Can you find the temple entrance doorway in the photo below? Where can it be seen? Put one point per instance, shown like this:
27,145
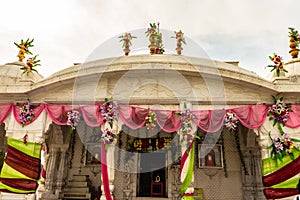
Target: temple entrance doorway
152,176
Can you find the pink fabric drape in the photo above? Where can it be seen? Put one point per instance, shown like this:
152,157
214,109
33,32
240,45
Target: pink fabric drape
91,115
4,111
37,111
167,120
294,116
104,172
133,117
58,113
209,120
252,116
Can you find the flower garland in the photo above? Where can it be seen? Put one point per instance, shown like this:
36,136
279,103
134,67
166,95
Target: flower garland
283,146
109,111
30,64
24,48
73,118
231,122
278,64
108,136
278,112
26,113
186,121
224,156
150,121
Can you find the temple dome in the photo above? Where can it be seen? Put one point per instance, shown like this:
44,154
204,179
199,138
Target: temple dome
10,74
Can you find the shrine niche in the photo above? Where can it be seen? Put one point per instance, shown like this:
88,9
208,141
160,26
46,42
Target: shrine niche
210,156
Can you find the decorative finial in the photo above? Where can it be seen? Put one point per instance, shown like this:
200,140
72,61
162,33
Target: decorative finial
278,64
180,39
126,39
155,39
30,62
23,46
294,42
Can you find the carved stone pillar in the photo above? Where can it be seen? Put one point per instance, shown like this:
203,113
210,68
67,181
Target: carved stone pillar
176,182
248,178
56,164
51,169
60,182
255,145
258,175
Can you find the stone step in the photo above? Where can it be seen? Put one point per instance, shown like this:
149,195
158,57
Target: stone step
76,196
80,178
76,190
78,184
8,196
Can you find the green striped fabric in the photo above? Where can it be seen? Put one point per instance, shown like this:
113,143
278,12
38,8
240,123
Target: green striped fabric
21,167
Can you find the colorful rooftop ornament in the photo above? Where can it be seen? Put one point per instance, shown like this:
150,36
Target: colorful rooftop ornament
294,42
31,63
180,39
278,64
155,39
126,39
24,48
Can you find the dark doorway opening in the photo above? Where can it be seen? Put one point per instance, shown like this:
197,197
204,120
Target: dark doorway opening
153,175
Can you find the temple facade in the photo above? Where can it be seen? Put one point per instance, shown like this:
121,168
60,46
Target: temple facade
144,163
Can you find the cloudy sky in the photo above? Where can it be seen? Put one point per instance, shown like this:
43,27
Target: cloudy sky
68,31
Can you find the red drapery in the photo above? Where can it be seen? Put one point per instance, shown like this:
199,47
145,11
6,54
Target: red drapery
252,116
4,111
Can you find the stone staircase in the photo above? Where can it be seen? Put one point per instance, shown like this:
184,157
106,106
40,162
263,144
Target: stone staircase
77,188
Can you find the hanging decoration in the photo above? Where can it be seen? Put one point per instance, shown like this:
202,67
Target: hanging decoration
108,137
283,146
186,121
126,39
150,121
231,122
26,113
278,64
25,138
109,111
278,177
279,113
73,118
